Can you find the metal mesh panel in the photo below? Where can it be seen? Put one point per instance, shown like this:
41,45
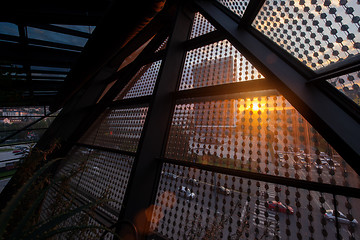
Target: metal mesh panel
200,26
107,174
348,85
117,129
318,33
198,204
142,84
260,134
163,45
75,221
237,6
92,175
215,64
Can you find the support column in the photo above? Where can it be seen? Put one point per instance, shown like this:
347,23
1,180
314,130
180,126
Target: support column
146,171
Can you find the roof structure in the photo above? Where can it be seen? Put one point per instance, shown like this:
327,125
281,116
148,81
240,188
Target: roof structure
39,43
239,102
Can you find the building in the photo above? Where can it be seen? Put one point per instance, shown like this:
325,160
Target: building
243,135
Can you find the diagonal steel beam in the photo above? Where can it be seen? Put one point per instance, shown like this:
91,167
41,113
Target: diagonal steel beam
327,116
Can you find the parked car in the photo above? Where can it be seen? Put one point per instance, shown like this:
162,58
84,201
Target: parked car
20,150
317,166
192,181
170,175
223,190
186,193
279,207
342,218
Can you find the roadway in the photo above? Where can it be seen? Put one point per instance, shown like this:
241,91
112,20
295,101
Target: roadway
224,217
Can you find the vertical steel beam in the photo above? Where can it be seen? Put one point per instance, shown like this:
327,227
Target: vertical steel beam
146,171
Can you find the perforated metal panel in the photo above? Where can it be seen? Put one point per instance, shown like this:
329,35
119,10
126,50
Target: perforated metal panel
200,26
262,134
163,45
237,6
84,178
117,129
105,173
216,64
318,33
199,204
348,85
142,84
91,175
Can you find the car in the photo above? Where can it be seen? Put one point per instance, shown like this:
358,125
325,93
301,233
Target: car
223,190
317,166
170,175
20,150
342,218
279,207
186,193
192,181
331,167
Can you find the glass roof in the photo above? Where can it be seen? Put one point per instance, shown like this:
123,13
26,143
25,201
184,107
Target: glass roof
9,29
52,48
51,36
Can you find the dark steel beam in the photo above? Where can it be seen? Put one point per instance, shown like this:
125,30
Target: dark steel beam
58,29
14,52
251,11
55,45
336,73
49,72
36,85
61,12
42,43
290,182
146,170
203,40
105,149
135,102
340,129
230,88
53,77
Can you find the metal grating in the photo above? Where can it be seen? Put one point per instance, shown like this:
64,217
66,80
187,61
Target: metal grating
143,83
198,204
103,173
262,134
200,26
318,33
216,64
50,210
349,85
237,6
117,128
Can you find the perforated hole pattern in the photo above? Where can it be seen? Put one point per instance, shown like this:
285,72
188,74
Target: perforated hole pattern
108,173
318,33
261,134
237,6
117,129
142,84
198,204
163,45
216,64
348,85
200,26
